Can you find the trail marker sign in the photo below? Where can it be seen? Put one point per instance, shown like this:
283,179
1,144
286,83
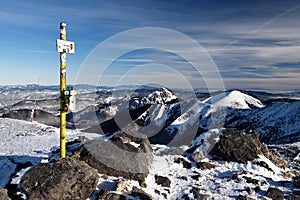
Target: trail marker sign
63,46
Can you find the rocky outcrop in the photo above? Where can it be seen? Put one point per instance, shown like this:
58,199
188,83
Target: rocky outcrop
106,195
205,165
64,179
274,193
163,181
140,194
123,190
184,163
126,155
3,194
241,147
171,151
198,156
194,193
123,187
238,146
296,182
275,157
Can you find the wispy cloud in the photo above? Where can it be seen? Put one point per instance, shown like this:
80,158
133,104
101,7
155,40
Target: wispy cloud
38,51
254,41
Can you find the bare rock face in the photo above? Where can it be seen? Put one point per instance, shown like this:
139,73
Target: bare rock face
3,194
126,155
65,179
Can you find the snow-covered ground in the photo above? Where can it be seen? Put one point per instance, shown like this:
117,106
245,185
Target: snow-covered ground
23,142
217,182
28,143
32,142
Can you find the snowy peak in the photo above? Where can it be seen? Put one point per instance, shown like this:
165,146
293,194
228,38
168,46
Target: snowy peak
234,99
161,96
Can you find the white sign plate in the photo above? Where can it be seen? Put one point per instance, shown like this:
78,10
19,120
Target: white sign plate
65,46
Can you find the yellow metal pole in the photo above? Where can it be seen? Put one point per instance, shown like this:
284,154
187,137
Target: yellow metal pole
63,112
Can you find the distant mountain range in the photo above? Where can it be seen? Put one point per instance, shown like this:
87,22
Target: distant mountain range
160,114
178,122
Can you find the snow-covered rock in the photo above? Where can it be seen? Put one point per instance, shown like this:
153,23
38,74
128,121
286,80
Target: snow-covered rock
161,96
234,99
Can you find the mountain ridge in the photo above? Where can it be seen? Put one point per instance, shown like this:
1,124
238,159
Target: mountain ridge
169,116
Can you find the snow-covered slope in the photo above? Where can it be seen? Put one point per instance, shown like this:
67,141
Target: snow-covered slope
234,99
173,124
279,122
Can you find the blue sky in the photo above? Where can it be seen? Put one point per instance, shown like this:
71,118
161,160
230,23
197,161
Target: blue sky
253,44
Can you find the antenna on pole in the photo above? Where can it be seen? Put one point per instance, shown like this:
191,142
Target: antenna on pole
34,106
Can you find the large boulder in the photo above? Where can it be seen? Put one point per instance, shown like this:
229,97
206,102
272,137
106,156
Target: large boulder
126,155
238,146
274,193
163,181
65,179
